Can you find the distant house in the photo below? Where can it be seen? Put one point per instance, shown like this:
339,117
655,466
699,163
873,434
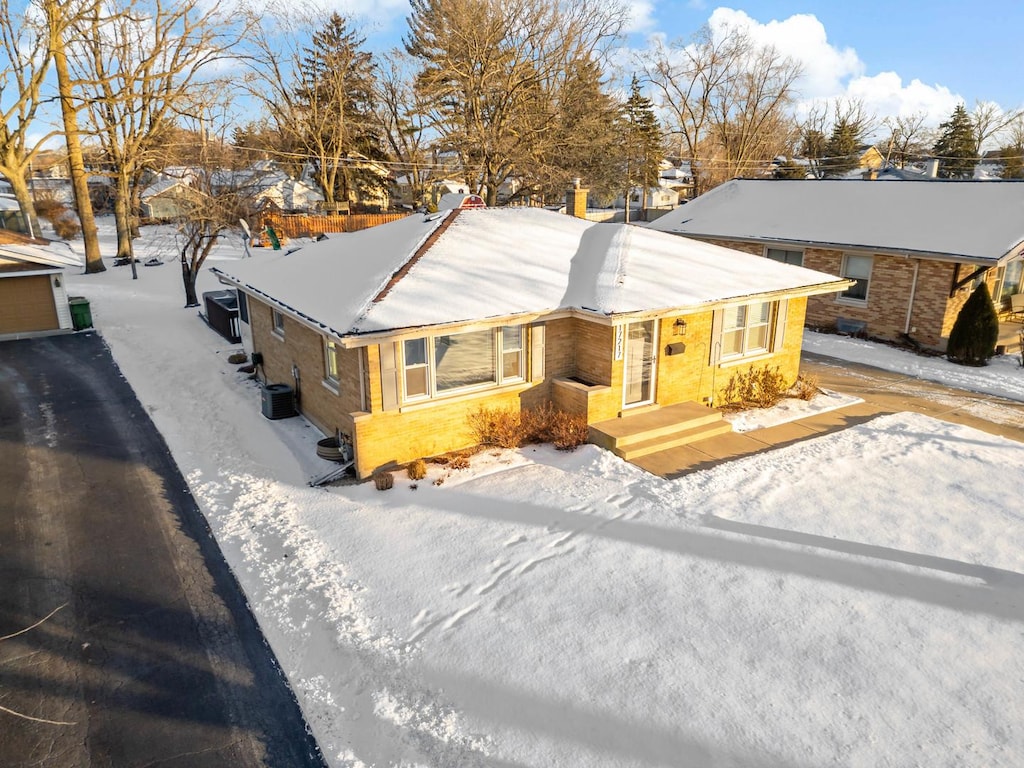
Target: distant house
915,249
168,198
512,308
33,297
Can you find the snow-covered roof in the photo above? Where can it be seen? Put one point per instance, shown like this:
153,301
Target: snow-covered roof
479,264
56,254
963,220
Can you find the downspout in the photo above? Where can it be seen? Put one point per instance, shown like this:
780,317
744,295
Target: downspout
910,304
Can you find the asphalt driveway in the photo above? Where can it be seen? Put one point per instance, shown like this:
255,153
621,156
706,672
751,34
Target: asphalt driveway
152,657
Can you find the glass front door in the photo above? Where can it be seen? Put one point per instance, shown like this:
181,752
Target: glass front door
641,351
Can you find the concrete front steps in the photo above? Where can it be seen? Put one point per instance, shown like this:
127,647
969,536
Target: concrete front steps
649,430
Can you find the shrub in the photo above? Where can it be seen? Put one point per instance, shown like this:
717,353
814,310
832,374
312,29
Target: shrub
976,330
757,388
383,480
66,226
417,470
492,426
569,431
806,387
459,461
544,424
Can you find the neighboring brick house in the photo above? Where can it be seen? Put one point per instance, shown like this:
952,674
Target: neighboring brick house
915,249
394,335
33,297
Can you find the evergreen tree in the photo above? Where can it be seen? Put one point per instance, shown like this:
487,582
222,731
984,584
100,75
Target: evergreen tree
976,330
1012,162
790,170
587,134
957,148
841,151
641,144
339,129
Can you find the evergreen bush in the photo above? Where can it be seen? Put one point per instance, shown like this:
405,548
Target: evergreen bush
976,330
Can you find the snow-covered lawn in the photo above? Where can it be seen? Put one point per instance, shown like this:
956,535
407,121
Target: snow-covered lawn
855,599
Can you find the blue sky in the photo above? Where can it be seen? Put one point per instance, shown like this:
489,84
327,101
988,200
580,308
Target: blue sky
898,57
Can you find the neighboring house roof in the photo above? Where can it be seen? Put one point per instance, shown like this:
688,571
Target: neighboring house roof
462,266
978,222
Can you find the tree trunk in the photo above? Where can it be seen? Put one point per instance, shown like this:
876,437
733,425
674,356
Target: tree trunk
23,194
79,181
188,277
122,220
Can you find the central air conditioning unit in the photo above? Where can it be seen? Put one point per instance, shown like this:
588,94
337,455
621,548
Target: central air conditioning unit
278,401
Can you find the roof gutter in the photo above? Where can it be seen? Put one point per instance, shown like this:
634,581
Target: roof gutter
955,258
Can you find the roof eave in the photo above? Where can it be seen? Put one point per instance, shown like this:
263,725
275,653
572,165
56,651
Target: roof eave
908,253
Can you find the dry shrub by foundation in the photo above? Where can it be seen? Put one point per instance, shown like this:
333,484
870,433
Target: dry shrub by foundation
806,387
494,426
546,424
757,388
417,470
383,480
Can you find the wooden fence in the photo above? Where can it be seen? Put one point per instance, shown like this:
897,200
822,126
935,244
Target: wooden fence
310,225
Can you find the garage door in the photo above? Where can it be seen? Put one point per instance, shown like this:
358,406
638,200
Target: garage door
26,304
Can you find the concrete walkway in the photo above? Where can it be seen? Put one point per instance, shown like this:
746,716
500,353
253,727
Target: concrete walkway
883,392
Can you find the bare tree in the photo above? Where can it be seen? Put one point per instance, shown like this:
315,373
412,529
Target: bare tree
219,197
989,119
139,65
909,138
400,112
727,98
492,71
60,17
25,45
316,83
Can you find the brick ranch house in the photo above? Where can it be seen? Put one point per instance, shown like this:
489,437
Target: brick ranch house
33,297
914,249
393,335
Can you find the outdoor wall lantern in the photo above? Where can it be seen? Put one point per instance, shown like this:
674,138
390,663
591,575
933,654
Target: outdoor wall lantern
679,327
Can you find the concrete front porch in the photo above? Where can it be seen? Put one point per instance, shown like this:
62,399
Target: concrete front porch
645,431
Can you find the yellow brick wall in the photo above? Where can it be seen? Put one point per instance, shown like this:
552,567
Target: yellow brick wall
573,347
303,348
390,438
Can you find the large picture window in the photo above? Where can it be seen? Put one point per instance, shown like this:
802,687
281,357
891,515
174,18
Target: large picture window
746,330
439,365
857,268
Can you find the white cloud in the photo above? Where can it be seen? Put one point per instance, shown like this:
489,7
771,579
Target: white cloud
641,17
831,72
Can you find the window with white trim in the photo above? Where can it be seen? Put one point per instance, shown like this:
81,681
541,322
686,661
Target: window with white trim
455,362
277,322
796,258
747,330
331,362
857,268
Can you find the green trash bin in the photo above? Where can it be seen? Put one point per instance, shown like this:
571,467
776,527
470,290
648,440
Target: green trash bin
81,315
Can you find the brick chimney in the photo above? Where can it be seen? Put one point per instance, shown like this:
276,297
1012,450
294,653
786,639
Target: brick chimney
576,200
